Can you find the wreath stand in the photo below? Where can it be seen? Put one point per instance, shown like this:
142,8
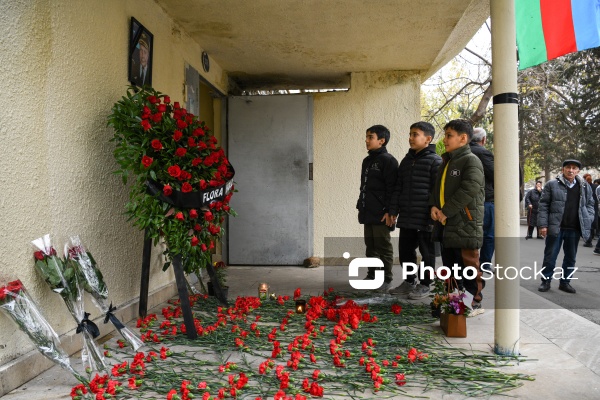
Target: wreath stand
181,200
188,318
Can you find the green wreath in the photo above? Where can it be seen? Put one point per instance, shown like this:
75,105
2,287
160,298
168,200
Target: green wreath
183,181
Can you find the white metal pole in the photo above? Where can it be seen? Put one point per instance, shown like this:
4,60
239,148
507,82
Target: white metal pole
506,176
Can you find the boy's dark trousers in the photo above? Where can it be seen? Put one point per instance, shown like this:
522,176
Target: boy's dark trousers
379,245
464,258
409,240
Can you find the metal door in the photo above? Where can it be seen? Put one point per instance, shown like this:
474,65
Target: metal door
270,147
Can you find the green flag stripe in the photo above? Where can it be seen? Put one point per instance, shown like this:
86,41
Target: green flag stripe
530,35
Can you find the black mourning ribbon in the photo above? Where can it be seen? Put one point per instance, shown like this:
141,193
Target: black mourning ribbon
113,318
195,199
88,325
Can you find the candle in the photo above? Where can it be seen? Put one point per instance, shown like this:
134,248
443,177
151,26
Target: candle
300,306
263,291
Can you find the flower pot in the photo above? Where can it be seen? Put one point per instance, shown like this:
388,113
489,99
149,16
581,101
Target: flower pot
454,325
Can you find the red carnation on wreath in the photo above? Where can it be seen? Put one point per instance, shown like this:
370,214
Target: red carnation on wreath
183,180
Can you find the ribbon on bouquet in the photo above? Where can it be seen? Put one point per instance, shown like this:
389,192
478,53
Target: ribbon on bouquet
113,318
88,325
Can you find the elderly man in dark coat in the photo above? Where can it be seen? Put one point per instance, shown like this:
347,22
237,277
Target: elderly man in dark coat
565,214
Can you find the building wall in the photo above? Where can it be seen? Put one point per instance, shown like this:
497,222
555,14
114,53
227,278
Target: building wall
63,64
340,123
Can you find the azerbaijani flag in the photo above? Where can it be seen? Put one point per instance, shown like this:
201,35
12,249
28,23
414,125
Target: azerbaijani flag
547,29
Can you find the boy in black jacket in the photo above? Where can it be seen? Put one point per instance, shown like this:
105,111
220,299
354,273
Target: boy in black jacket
378,176
410,202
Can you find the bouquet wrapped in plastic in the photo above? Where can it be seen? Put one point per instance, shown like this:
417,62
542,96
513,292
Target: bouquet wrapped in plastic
16,302
63,280
93,283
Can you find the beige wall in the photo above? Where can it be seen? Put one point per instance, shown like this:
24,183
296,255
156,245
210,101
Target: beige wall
340,122
63,63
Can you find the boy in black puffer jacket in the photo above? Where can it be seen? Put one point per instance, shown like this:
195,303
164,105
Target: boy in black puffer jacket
410,202
378,177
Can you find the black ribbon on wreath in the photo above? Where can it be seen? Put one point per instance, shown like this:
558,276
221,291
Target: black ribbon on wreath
88,325
194,199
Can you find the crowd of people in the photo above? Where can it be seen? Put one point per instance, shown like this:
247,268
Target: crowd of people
449,199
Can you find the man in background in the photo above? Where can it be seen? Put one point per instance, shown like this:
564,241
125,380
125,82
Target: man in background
565,214
487,160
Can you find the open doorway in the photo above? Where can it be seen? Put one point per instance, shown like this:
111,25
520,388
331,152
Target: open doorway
209,105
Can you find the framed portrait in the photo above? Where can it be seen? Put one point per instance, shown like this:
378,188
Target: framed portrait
140,54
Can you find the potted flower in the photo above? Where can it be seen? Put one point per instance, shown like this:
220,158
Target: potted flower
450,308
182,181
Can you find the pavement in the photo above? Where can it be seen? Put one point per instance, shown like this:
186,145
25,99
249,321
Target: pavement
586,279
562,348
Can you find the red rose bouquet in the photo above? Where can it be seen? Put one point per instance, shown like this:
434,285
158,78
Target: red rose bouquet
93,283
17,304
183,181
63,279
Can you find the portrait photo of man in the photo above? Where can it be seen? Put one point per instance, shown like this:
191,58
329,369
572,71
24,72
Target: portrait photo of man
140,71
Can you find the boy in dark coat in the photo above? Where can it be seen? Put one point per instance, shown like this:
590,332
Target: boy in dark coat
457,204
414,184
378,177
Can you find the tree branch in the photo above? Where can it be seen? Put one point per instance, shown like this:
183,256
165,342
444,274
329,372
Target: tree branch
489,64
482,107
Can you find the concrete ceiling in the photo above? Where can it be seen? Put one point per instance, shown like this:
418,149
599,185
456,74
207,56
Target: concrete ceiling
303,44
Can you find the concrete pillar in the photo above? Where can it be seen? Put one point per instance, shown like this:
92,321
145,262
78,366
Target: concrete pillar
506,176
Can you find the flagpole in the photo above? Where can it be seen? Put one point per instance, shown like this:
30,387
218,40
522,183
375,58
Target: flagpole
506,177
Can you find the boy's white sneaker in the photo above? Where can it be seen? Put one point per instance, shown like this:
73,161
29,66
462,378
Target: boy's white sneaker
477,309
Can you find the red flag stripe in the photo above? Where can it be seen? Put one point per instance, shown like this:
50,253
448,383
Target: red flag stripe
557,23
